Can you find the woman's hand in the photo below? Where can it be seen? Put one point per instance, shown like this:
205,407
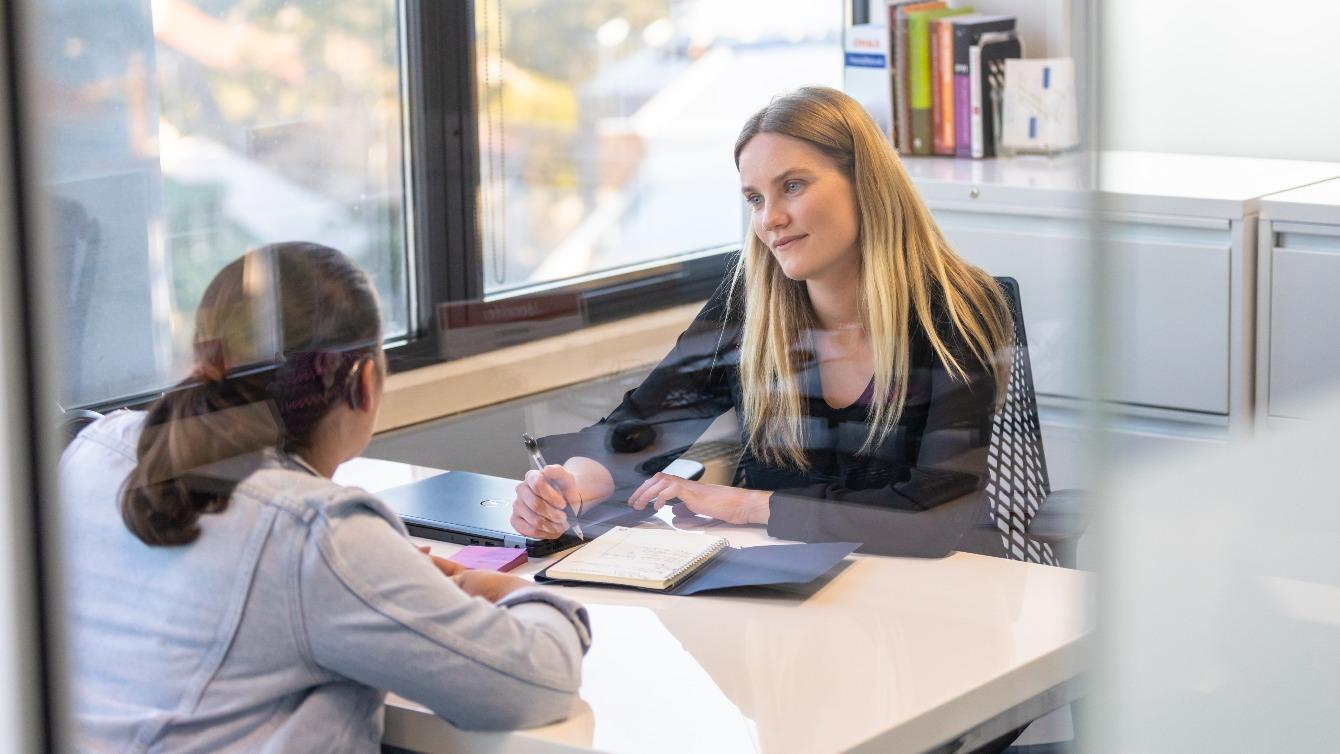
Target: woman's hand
730,504
491,585
545,497
543,500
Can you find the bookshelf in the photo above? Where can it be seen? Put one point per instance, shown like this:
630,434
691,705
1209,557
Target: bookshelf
934,73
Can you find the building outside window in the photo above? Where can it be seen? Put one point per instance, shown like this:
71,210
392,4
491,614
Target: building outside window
182,132
606,129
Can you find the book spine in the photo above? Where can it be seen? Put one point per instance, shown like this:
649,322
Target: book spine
962,100
962,117
937,106
903,117
975,100
891,79
892,46
942,62
919,81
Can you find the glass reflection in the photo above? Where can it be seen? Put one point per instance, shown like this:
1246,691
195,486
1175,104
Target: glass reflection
176,132
603,126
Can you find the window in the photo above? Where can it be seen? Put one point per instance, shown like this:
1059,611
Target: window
575,150
606,129
182,132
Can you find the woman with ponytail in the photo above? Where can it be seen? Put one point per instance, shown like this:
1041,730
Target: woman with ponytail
226,595
862,356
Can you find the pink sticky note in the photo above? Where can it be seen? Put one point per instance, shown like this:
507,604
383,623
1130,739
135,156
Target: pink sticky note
480,558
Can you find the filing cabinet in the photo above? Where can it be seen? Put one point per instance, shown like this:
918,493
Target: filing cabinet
1298,332
1147,259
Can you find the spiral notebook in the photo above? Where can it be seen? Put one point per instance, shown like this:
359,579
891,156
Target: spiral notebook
644,558
683,563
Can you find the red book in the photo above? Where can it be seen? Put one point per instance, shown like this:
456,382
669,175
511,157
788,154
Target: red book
942,86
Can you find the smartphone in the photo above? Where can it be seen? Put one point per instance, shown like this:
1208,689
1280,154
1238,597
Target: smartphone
684,469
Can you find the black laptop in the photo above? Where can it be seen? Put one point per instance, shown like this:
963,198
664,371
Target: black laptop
476,509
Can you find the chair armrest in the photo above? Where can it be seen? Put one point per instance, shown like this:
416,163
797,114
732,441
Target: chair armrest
1062,517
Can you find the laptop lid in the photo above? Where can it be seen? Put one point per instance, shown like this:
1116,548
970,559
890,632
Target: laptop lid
476,509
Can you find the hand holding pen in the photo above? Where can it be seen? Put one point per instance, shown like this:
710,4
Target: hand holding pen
537,460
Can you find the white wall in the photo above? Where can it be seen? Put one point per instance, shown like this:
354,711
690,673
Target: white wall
1231,77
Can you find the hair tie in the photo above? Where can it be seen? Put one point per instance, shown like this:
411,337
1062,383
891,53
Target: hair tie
328,366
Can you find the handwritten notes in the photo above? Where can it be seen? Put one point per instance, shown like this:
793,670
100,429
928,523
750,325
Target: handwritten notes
650,558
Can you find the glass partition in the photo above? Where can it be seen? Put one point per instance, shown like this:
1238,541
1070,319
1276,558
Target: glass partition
896,366
1098,519
1217,533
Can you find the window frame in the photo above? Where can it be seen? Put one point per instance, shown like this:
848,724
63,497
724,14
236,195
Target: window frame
444,259
444,180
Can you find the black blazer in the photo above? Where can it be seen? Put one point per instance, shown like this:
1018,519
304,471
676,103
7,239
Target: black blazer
917,493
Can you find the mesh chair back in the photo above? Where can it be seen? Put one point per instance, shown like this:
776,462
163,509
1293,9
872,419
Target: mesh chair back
1016,466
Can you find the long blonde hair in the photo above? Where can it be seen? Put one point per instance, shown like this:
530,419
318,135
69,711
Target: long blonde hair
904,261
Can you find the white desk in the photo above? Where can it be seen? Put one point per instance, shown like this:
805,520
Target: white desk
885,654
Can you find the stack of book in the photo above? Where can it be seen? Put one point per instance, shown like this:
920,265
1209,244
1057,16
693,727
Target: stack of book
936,84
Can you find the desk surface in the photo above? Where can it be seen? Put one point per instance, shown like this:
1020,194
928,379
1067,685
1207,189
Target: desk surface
883,654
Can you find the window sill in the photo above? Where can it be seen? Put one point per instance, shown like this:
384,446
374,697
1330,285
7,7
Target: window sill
441,390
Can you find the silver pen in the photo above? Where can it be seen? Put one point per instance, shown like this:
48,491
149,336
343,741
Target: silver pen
537,459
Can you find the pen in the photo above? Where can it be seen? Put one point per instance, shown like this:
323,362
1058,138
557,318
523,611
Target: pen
537,459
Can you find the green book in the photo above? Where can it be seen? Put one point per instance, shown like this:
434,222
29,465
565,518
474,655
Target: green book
919,90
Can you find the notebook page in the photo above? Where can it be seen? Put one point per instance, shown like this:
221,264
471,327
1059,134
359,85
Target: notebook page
637,554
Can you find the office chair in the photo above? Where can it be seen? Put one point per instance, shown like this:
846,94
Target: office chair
1036,524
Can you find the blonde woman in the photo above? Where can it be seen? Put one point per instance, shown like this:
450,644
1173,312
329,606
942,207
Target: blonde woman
864,359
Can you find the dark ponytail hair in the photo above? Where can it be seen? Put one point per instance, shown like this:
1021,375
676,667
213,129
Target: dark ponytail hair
280,334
